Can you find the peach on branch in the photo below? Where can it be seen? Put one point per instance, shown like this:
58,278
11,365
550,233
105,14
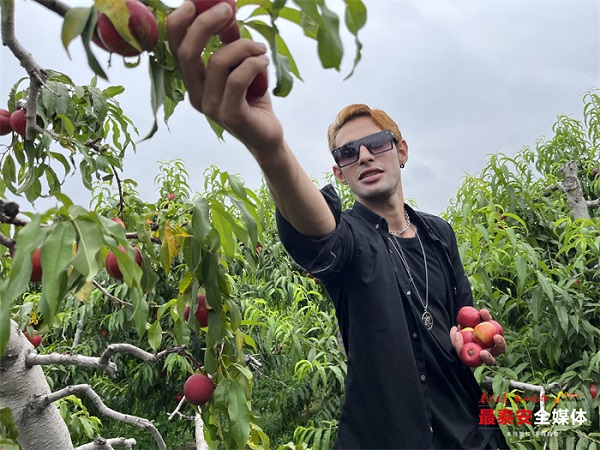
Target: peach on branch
35,339
112,264
5,127
202,311
198,389
18,121
142,25
36,266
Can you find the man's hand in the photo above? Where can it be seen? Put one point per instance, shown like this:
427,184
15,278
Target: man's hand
218,89
487,355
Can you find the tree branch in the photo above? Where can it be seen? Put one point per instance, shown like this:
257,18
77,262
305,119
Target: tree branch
109,295
137,352
78,333
593,204
101,362
55,5
37,75
108,444
43,402
92,362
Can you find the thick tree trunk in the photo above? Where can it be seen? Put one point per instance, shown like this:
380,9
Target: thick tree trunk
572,188
19,387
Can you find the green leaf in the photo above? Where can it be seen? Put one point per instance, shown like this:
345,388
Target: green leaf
201,225
330,45
73,25
248,219
356,15
225,231
211,363
235,314
140,310
221,394
87,260
8,423
239,414
28,239
55,257
86,38
155,335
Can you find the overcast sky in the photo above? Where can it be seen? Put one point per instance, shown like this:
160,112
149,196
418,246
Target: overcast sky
463,79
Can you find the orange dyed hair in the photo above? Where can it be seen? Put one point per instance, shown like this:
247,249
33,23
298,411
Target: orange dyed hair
381,119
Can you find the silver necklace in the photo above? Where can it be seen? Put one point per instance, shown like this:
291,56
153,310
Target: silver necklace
426,317
405,229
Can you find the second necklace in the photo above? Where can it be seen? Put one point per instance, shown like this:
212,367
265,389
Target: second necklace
426,317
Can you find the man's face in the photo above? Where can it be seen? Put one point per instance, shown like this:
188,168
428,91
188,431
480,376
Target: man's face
373,177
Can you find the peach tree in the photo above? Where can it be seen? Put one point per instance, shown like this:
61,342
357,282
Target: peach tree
528,229
95,327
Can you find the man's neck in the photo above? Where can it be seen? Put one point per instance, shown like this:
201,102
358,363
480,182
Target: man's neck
392,210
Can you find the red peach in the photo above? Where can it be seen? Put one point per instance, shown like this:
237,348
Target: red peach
470,354
18,121
483,334
143,27
5,127
198,389
468,316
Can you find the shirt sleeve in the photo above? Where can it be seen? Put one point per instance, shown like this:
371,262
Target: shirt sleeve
319,256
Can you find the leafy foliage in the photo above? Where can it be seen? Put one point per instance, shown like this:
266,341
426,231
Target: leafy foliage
535,268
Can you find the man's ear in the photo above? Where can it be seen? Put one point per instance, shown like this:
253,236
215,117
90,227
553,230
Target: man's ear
339,174
402,148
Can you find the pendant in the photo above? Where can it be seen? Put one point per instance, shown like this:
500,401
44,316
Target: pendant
427,319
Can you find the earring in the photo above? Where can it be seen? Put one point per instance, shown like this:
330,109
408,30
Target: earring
402,165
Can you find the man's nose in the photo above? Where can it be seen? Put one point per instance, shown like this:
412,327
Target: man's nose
364,154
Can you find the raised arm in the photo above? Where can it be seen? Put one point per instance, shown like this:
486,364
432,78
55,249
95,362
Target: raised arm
218,90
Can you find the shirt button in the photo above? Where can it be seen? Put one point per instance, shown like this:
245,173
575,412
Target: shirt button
423,377
414,335
377,227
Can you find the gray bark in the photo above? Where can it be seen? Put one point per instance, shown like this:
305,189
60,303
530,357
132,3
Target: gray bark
20,386
572,188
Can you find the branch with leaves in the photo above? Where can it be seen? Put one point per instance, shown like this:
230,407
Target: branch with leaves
103,361
85,389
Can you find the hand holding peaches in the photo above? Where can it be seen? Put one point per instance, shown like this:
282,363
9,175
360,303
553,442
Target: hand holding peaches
477,338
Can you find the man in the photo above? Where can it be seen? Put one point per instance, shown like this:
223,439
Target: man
394,274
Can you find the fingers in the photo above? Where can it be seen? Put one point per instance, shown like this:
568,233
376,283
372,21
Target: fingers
456,338
499,347
229,74
487,358
188,36
485,315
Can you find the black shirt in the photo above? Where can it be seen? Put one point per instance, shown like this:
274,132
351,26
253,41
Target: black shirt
405,386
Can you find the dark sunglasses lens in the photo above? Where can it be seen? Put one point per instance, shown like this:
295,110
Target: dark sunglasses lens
347,155
379,144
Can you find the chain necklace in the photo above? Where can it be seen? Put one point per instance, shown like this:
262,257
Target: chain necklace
405,229
426,317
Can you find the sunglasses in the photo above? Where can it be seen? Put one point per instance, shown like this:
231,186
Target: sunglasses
377,143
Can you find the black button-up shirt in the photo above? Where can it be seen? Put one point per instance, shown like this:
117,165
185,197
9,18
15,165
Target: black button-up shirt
405,386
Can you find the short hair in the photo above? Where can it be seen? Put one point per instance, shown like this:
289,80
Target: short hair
381,119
